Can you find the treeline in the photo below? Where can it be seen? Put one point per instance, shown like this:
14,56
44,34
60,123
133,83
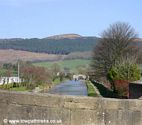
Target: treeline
32,76
51,46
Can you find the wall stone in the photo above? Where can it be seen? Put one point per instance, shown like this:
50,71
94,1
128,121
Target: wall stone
71,110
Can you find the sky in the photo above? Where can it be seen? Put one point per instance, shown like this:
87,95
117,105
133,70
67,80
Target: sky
43,18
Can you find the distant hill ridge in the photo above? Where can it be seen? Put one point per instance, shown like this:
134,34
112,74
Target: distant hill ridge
65,36
58,44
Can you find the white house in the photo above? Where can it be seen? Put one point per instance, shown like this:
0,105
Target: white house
7,80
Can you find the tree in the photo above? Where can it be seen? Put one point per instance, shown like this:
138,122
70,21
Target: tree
55,69
115,45
34,76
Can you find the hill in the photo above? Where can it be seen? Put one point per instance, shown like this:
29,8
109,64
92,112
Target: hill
59,44
64,36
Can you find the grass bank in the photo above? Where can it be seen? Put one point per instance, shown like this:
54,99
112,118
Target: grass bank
19,87
91,89
11,87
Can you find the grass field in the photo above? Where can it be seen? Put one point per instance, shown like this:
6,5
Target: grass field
71,64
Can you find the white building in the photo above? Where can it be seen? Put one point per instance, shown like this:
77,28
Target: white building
7,80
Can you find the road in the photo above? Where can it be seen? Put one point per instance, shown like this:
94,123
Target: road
70,88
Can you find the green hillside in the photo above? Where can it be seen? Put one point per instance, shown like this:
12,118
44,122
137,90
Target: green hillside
51,45
59,44
71,64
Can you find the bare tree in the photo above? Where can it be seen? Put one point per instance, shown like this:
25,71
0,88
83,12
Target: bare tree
55,69
34,76
116,43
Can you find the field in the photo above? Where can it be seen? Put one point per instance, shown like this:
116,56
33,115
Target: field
9,56
71,64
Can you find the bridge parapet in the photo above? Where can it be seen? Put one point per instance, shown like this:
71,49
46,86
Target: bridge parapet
71,110
79,76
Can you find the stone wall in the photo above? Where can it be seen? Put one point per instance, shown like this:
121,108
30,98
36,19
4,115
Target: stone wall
68,110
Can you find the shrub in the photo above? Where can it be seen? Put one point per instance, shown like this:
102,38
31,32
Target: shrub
120,75
129,72
122,88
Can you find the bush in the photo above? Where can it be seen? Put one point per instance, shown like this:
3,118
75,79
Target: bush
129,72
6,86
31,86
122,88
120,75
